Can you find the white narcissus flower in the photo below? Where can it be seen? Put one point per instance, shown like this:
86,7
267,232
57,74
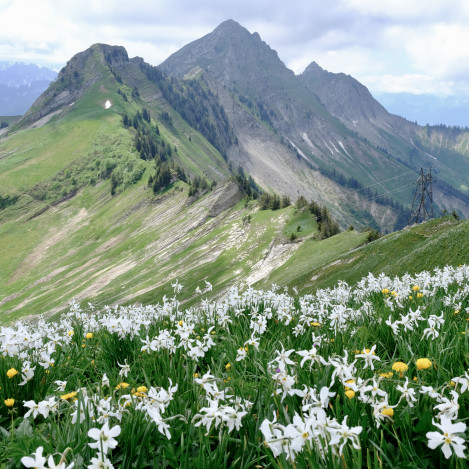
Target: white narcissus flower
232,418
33,409
253,341
430,391
125,369
104,437
100,462
407,393
369,356
342,432
60,465
155,415
273,436
242,354
27,373
463,381
105,380
38,461
448,439
282,359
60,385
449,407
311,355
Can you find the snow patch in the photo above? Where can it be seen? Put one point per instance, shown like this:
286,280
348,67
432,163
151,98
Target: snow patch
307,140
107,104
297,149
335,148
343,148
328,147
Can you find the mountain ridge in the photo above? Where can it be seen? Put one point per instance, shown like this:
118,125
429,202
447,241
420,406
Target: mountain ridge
20,85
311,116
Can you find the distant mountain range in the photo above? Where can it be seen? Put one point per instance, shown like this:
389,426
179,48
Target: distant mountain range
427,109
20,85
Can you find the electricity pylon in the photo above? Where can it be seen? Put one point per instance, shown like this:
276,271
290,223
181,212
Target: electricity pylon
423,194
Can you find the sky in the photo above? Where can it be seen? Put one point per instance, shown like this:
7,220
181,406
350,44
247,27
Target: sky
414,46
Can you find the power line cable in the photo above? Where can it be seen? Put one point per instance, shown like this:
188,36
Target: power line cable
384,194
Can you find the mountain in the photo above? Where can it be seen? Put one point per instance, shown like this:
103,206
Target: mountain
20,85
20,74
123,177
319,124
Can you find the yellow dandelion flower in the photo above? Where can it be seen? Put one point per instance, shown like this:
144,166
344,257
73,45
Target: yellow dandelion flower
68,396
9,402
423,363
89,335
400,367
11,372
388,375
122,385
142,389
415,288
385,291
228,367
389,411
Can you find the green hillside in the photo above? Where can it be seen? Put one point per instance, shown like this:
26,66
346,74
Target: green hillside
109,195
439,242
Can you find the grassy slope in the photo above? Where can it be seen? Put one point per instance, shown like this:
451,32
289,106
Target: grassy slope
432,244
132,246
76,247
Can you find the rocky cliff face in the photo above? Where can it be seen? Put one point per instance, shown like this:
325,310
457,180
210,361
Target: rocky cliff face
231,54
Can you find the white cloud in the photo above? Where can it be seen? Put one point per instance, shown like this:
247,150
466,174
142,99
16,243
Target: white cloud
402,44
409,83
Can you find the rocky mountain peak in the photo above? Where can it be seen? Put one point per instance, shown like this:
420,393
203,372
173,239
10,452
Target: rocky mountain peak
342,95
230,53
313,68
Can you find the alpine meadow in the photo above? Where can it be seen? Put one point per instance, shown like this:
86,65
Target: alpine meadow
209,263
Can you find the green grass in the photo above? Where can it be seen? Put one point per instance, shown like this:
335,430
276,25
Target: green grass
160,403
127,248
432,244
304,221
